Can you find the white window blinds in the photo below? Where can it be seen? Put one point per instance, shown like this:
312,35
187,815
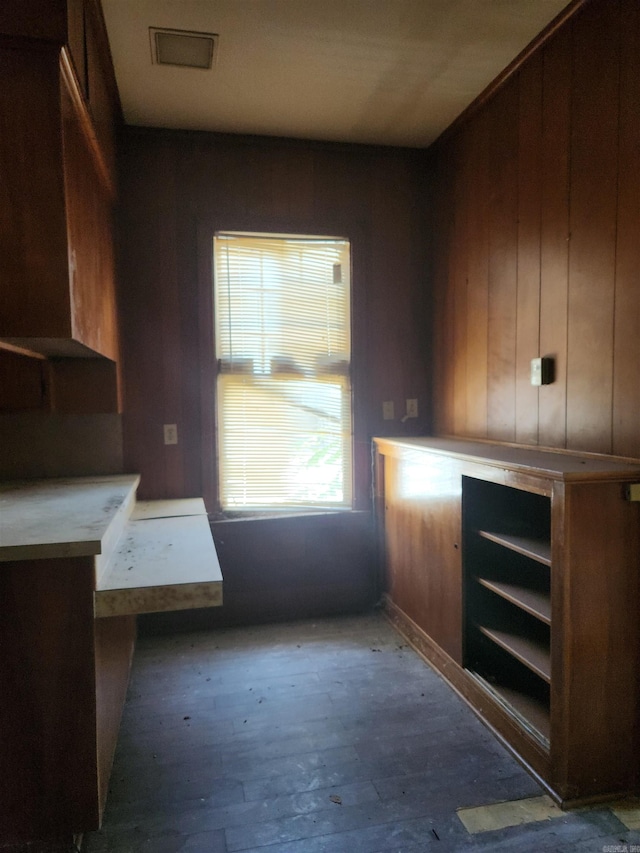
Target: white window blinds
282,311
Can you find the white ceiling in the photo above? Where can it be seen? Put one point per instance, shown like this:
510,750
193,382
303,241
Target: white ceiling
392,72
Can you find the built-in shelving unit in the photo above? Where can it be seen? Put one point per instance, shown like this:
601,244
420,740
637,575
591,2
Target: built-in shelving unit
507,565
515,572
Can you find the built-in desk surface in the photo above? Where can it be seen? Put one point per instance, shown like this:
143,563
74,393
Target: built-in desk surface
149,556
165,560
74,517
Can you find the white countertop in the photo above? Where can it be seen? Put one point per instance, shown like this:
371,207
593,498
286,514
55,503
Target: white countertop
165,560
148,557
74,517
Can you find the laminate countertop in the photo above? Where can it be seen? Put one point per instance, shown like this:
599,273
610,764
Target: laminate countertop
148,557
71,517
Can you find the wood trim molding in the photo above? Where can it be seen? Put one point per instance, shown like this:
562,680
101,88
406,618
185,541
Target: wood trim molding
95,8
532,757
70,81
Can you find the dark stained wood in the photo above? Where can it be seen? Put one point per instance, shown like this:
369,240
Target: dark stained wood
101,95
440,222
535,549
22,383
531,601
591,743
147,229
569,144
531,654
626,356
602,533
82,385
177,190
503,234
88,208
48,748
528,262
34,290
554,237
477,288
594,143
458,283
56,274
114,640
40,19
76,42
42,444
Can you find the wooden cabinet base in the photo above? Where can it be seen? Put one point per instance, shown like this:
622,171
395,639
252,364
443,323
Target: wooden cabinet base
499,721
531,556
62,673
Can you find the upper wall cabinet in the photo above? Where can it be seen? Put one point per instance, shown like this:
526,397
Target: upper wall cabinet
57,103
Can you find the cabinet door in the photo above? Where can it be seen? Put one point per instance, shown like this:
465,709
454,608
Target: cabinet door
34,285
91,262
423,553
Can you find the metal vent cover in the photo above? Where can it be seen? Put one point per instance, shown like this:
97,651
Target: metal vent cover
181,47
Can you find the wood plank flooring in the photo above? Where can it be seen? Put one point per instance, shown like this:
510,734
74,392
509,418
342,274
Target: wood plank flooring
330,735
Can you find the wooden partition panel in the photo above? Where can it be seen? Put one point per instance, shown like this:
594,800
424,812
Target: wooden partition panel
548,185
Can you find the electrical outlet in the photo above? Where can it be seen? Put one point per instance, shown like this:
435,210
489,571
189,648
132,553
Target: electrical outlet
387,411
412,408
170,433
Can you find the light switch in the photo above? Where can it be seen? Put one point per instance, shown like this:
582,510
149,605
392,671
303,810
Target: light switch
542,370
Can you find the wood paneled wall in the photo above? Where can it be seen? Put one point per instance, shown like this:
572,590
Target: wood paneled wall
176,190
536,250
177,186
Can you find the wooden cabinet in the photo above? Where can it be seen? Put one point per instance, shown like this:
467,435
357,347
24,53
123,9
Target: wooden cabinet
57,289
79,558
533,557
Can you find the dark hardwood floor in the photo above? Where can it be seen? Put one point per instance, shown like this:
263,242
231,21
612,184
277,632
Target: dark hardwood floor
330,735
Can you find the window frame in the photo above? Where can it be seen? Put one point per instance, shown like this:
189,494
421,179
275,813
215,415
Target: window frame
360,440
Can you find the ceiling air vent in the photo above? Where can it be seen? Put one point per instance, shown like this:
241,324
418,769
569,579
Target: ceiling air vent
180,47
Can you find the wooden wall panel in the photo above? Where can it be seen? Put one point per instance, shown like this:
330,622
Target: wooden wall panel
626,357
554,236
503,243
528,260
22,383
592,223
175,186
147,224
441,224
477,279
549,188
458,280
176,190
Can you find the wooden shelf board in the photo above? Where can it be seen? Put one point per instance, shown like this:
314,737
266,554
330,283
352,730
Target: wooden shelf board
536,549
533,655
536,603
533,713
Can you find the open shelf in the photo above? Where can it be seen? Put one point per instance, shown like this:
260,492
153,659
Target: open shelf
532,712
536,603
527,650
535,549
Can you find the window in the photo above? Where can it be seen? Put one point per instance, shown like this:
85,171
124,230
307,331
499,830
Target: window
282,329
